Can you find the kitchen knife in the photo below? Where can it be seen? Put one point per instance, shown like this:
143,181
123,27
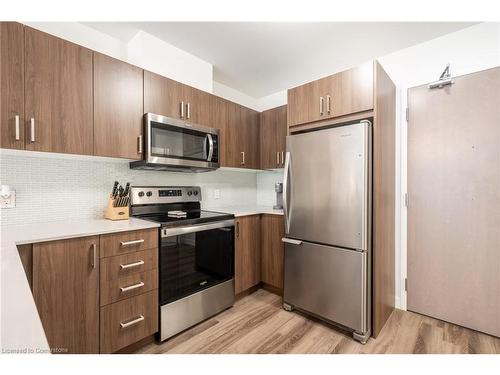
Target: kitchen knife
113,192
127,188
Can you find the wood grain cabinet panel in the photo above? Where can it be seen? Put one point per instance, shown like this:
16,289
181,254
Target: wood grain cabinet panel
128,286
272,250
128,264
58,95
11,85
66,293
197,105
126,322
304,104
219,117
162,96
247,252
118,108
128,242
273,130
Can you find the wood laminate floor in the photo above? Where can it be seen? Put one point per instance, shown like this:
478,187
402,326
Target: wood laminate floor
258,324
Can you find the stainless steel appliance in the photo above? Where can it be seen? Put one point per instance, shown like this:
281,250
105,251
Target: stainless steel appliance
278,188
175,145
196,255
327,209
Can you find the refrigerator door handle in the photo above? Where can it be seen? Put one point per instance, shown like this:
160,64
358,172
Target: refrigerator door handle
291,241
286,180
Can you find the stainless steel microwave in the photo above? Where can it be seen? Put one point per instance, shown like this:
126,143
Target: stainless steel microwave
175,145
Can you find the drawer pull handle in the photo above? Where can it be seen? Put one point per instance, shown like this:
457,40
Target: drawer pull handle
132,287
131,265
132,322
130,243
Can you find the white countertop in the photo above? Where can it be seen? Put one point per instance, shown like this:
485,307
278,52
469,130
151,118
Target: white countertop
246,210
21,328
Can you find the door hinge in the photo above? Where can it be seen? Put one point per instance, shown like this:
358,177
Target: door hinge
407,114
406,200
406,284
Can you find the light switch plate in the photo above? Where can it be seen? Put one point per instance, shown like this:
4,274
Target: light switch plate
9,202
216,194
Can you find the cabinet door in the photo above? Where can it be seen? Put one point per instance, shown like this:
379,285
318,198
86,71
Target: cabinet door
350,91
66,292
304,104
249,138
58,95
197,105
247,253
162,96
234,149
118,108
273,129
219,114
272,250
12,85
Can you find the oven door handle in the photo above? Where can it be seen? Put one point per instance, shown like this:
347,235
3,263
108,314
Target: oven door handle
177,231
210,147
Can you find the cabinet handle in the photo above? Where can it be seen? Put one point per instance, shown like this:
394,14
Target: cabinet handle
188,110
140,284
139,144
242,157
328,101
238,229
321,100
93,261
130,243
32,121
132,322
18,135
131,265
282,157
182,109
277,158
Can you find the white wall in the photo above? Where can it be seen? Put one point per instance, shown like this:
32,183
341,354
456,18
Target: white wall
469,50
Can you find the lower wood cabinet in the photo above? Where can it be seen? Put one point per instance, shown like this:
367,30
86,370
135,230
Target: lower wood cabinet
66,293
247,252
272,250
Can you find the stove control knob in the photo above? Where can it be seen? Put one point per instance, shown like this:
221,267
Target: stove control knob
149,193
195,192
190,192
141,194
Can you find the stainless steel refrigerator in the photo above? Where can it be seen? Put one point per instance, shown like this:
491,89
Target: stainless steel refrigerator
327,209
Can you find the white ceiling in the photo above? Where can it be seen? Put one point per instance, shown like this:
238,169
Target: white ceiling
259,58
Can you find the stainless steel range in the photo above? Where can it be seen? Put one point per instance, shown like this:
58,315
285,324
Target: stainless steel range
196,255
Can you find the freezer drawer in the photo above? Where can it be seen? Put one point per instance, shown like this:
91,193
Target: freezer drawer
329,282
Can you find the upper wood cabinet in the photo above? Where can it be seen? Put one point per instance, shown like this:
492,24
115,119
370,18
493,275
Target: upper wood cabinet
66,292
219,114
272,250
164,96
273,129
118,108
11,85
340,94
58,95
247,253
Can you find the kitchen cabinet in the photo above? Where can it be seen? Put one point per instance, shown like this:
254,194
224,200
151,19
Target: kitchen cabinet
166,97
219,114
66,292
247,253
12,85
57,95
118,108
272,250
273,130
340,94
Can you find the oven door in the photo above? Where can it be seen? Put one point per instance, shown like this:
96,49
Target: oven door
180,144
195,258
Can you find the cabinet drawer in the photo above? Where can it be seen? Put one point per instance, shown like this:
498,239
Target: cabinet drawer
128,286
128,264
126,322
128,242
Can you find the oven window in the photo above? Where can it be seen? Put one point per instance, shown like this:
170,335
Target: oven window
175,142
195,261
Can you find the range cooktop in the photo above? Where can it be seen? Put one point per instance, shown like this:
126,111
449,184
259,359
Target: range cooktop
192,217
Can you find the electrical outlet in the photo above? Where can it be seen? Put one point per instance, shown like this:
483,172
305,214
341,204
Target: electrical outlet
216,193
10,201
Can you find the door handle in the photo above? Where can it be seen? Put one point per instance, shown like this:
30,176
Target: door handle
210,147
282,158
238,229
277,158
32,135
289,240
139,144
188,110
286,181
328,101
182,109
18,135
93,260
321,101
242,157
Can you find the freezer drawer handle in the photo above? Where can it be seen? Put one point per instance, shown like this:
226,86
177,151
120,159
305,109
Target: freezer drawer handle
293,242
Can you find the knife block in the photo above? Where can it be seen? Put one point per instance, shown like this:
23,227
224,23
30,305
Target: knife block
116,213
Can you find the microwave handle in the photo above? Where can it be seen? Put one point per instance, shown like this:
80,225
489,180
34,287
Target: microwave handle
210,147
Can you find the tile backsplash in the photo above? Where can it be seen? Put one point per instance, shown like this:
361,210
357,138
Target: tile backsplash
51,187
